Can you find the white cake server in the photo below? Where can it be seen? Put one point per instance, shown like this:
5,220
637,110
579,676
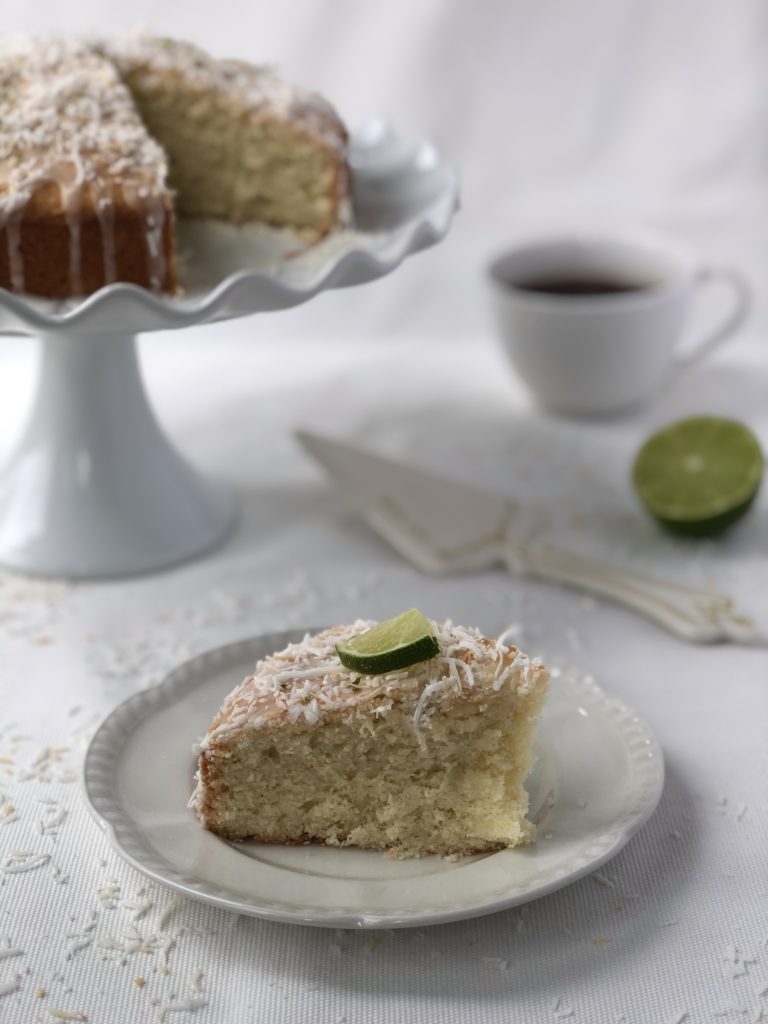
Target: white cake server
442,526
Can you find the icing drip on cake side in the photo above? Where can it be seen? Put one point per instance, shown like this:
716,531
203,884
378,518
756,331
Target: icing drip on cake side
105,211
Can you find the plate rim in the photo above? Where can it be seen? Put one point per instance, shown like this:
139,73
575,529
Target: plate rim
102,755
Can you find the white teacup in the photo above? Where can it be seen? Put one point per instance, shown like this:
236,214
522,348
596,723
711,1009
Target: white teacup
592,323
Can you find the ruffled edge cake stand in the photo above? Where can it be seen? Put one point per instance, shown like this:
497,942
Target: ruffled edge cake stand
94,488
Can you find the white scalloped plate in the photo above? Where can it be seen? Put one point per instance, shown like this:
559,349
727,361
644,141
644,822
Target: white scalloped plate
405,196
598,778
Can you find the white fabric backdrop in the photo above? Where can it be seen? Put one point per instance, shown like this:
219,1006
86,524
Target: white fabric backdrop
602,111
598,111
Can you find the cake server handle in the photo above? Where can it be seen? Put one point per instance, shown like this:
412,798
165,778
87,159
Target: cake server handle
692,613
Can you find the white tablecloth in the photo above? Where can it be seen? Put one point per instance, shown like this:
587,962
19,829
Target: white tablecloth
683,925
649,110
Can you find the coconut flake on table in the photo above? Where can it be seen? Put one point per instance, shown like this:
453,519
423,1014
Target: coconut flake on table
49,765
8,812
563,1012
496,961
10,985
170,909
21,861
30,608
109,893
138,910
53,817
189,1005
10,951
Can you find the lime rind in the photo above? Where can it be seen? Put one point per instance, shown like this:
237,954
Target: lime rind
393,661
708,527
390,646
700,475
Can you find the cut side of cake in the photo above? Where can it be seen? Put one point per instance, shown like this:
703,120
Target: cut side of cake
430,759
103,142
243,144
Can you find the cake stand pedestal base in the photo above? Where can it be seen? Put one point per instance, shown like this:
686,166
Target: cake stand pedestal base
94,488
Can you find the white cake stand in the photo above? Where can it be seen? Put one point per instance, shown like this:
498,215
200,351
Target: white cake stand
94,487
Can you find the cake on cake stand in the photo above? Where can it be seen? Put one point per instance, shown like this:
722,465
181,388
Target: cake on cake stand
94,488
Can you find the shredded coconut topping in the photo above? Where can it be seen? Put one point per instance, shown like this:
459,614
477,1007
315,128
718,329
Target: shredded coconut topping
258,88
306,681
66,118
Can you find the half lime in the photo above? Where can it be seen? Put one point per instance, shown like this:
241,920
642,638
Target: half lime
699,475
391,645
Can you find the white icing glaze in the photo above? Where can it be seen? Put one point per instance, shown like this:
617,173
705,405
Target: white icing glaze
155,225
105,211
151,208
70,177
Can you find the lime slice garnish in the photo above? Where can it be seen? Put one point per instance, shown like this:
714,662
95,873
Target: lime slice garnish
391,645
699,475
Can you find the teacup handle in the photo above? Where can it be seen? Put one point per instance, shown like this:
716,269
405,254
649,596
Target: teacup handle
742,299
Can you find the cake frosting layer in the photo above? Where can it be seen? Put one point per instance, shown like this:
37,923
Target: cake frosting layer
306,682
428,759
